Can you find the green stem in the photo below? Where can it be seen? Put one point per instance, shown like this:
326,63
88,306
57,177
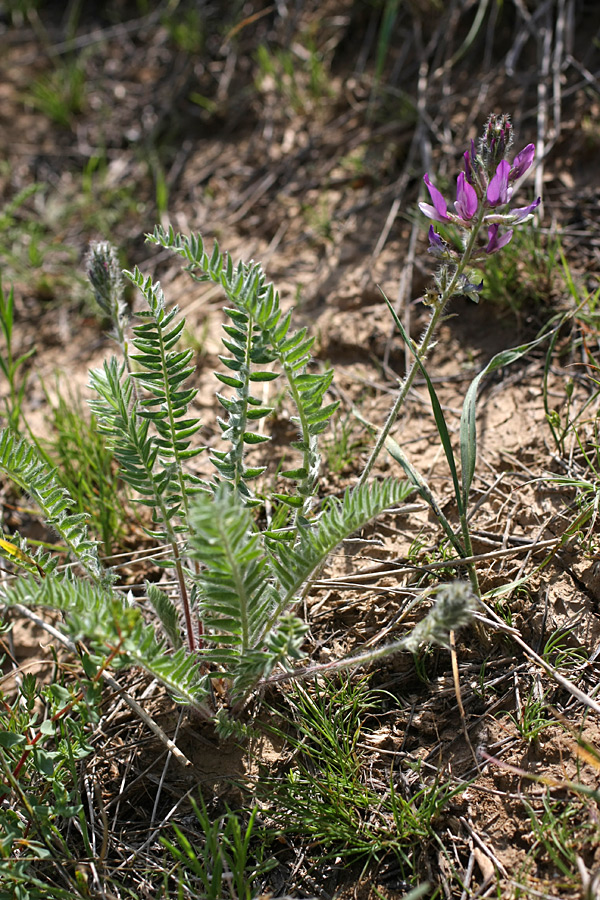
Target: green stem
421,350
237,444
170,417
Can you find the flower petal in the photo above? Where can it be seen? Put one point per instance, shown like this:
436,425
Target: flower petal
434,238
496,243
432,213
437,246
520,215
498,192
466,198
438,201
522,162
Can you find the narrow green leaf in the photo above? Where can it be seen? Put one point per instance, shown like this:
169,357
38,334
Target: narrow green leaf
438,413
294,502
323,414
253,472
424,490
300,352
293,341
259,413
308,379
282,328
236,315
234,364
468,431
240,337
234,348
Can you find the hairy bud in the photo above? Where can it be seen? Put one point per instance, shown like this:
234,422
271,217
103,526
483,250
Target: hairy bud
105,276
454,607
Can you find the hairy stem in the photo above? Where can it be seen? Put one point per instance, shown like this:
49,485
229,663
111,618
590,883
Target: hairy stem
187,613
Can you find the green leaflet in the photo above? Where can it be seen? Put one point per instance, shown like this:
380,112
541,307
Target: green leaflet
165,370
259,333
294,565
236,592
106,620
167,612
134,444
20,461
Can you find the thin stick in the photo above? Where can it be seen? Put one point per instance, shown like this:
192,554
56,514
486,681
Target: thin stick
375,572
548,669
542,117
461,709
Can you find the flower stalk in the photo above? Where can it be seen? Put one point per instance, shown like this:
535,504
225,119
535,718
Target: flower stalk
438,304
483,192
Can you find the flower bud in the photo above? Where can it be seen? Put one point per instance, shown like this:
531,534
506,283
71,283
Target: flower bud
105,276
495,143
454,607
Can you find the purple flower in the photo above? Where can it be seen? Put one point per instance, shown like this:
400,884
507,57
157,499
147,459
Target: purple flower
519,215
439,210
522,162
498,192
496,243
434,239
466,198
487,178
437,246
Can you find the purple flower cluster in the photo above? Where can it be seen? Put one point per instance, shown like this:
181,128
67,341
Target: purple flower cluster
486,184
